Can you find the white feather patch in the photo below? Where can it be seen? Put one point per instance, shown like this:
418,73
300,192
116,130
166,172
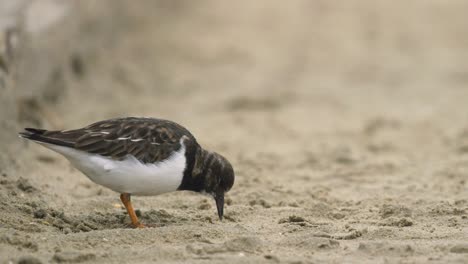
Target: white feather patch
128,175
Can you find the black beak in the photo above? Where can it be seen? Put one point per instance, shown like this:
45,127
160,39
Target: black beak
219,198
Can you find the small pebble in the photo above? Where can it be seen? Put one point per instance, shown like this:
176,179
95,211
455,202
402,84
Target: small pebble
41,213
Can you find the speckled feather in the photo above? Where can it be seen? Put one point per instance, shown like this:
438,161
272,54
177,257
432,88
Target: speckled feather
148,139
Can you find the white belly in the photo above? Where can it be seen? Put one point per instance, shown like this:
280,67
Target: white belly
128,175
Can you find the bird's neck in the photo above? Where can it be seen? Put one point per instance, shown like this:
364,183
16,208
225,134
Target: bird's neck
195,170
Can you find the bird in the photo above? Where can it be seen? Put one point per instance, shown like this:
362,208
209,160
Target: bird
138,156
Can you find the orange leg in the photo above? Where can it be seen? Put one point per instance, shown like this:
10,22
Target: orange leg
125,198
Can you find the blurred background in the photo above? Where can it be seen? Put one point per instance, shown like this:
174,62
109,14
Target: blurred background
331,111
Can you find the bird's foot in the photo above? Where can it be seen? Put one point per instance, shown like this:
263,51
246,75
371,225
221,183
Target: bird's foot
138,225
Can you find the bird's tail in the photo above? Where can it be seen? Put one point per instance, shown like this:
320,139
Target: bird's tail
40,135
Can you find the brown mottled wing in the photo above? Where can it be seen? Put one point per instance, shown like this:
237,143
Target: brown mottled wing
147,139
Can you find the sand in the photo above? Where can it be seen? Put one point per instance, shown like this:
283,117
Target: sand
346,124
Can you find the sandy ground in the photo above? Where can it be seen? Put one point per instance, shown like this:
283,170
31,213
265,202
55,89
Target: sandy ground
347,125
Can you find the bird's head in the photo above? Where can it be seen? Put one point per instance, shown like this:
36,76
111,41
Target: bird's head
218,177
211,174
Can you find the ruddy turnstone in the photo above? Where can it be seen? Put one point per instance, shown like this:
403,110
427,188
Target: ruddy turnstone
141,156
